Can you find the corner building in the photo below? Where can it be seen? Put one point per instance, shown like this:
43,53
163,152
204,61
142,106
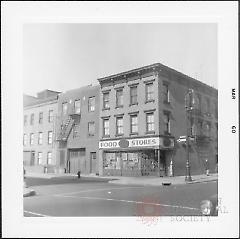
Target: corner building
142,117
77,130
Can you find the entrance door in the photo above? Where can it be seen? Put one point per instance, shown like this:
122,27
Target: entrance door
77,160
162,166
92,162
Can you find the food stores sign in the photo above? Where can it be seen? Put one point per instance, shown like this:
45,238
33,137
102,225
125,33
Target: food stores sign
138,142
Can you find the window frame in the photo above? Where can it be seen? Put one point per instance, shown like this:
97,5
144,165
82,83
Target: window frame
132,125
64,109
166,93
106,102
118,133
91,99
40,139
32,119
38,161
50,137
40,117
49,152
50,117
117,98
167,123
150,123
104,129
147,93
31,138
132,96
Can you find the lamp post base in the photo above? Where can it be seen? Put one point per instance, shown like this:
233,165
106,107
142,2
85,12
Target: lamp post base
188,178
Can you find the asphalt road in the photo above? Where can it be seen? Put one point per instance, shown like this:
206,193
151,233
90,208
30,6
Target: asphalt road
70,197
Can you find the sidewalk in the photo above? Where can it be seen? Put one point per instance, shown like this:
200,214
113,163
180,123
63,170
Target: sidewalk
144,180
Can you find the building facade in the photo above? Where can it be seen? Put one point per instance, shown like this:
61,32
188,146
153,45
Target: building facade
77,130
142,117
39,152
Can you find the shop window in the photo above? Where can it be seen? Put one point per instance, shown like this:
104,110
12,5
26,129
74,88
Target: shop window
91,104
64,108
49,158
40,138
50,137
32,119
150,122
106,104
25,120
134,124
91,128
40,121
106,127
39,158
119,98
111,161
50,116
149,92
133,95
31,139
166,117
24,139
119,125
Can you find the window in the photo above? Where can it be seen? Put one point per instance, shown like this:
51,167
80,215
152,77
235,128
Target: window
133,124
119,98
31,138
40,138
166,98
106,127
106,100
133,95
49,158
75,130
24,139
50,116
119,125
77,106
149,92
32,119
40,121
91,104
64,108
50,137
150,122
166,123
39,162
91,128
25,119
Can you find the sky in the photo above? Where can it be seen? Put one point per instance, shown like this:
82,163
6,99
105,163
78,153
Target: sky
65,56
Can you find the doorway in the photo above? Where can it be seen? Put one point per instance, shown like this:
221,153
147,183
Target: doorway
93,162
77,160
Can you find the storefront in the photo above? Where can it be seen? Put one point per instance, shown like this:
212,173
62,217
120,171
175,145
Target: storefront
136,157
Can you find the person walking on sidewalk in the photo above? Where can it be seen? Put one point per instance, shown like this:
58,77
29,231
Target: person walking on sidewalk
207,167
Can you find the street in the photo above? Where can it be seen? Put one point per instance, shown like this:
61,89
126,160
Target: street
72,197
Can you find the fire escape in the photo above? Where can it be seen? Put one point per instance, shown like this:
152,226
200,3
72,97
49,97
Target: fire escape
67,126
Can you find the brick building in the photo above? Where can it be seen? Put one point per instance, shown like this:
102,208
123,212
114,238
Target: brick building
142,116
39,154
77,130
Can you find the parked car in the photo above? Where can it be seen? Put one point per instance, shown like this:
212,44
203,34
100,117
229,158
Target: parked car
209,207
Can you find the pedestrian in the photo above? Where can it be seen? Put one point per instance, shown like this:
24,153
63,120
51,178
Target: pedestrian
207,167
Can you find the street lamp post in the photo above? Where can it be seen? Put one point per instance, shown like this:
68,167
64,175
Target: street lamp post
188,107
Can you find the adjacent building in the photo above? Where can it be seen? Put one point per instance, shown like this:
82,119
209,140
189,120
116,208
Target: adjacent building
143,116
78,130
39,153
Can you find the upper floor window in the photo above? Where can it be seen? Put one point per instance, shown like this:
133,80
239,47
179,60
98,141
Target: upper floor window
75,130
49,158
134,124
91,128
64,108
133,95
91,104
119,125
40,117
166,123
24,139
119,97
50,137
166,97
39,158
150,122
50,116
32,119
40,138
106,131
25,119
106,104
77,106
149,92
31,139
